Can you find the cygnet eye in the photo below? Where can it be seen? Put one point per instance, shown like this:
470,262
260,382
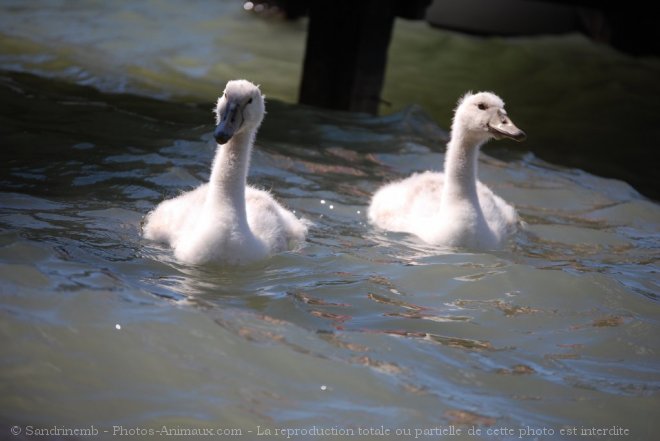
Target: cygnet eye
249,101
482,106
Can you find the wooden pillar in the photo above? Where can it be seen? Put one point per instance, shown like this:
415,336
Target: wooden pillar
346,53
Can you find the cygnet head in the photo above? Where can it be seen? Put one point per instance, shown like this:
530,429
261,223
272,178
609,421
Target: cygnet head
240,109
481,116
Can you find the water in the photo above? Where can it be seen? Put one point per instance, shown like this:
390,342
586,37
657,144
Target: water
583,104
358,329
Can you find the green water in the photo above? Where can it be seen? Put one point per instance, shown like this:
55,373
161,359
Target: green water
360,328
583,104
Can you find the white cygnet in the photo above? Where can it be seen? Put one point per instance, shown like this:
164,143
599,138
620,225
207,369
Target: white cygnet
453,208
226,220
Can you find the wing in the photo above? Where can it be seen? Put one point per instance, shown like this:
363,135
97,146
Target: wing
502,217
400,205
171,216
271,223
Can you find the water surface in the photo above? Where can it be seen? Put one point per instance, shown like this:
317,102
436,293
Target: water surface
583,104
359,328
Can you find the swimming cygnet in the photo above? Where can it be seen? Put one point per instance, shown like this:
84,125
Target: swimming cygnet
453,208
226,220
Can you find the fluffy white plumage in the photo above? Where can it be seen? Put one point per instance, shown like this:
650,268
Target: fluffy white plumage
453,208
226,220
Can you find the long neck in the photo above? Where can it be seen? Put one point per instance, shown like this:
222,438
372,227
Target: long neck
461,169
229,174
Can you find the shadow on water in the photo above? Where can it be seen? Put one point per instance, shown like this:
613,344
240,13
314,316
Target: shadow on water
583,104
57,138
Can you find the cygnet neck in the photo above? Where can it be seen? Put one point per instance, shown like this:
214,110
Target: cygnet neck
461,168
229,172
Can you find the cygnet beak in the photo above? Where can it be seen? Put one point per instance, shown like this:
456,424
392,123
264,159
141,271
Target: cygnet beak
501,126
230,122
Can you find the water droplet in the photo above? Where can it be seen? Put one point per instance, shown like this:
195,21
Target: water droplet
322,201
332,207
117,326
248,6
324,387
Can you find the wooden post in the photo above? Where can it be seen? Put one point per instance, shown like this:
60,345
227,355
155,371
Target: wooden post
346,54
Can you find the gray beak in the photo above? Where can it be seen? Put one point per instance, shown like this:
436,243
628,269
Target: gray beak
230,121
502,127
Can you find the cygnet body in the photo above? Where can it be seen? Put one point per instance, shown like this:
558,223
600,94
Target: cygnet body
453,208
226,220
